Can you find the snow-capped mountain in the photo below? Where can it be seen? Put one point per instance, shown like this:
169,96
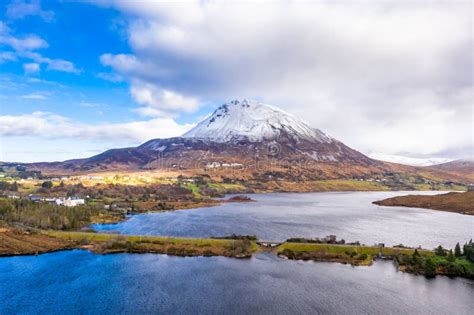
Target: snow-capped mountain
255,137
253,121
250,141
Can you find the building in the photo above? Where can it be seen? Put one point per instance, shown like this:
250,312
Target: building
470,187
70,202
35,198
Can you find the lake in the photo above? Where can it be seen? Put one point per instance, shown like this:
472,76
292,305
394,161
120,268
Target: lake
79,282
278,216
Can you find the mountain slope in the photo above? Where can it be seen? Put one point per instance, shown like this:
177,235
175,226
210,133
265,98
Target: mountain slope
246,140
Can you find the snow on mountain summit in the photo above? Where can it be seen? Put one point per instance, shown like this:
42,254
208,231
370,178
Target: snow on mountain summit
253,121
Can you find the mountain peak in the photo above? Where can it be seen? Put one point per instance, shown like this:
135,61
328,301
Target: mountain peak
253,121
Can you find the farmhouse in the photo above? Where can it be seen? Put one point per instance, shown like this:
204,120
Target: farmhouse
70,202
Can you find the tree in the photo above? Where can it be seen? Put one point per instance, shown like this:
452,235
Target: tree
469,250
439,251
430,268
457,250
451,257
47,184
415,258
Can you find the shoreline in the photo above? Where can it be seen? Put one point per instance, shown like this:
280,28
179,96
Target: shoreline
104,244
187,206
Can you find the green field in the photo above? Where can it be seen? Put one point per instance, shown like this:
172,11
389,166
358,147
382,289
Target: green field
351,254
342,249
224,187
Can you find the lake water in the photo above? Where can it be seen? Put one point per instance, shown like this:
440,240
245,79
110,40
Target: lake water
79,282
349,215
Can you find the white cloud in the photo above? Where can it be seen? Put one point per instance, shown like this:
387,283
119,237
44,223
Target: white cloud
112,77
121,62
26,47
158,98
34,96
61,65
150,112
392,77
155,99
19,9
30,68
52,126
7,56
52,64
29,42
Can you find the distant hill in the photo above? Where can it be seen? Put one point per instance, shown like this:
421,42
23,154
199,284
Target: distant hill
466,166
459,168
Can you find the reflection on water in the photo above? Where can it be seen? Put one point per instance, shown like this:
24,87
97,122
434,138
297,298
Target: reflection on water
81,282
349,215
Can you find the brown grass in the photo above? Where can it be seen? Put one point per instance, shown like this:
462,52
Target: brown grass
18,242
451,202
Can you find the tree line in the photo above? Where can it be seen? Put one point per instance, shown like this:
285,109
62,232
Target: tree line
47,216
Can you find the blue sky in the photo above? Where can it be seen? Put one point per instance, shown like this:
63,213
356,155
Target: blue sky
387,78
79,33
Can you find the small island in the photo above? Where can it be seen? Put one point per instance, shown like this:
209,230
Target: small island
459,202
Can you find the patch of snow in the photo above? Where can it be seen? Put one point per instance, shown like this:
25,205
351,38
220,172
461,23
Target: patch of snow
317,157
155,145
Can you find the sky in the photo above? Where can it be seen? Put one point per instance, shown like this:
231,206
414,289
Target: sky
392,79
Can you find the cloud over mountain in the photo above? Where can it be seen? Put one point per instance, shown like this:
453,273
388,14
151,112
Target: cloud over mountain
48,125
384,77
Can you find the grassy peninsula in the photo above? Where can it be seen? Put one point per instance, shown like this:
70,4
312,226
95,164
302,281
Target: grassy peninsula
460,202
20,242
351,254
459,263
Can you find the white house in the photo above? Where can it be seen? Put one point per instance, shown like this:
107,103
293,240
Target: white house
70,202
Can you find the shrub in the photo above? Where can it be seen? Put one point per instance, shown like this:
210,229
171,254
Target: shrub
451,257
47,184
429,268
363,256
